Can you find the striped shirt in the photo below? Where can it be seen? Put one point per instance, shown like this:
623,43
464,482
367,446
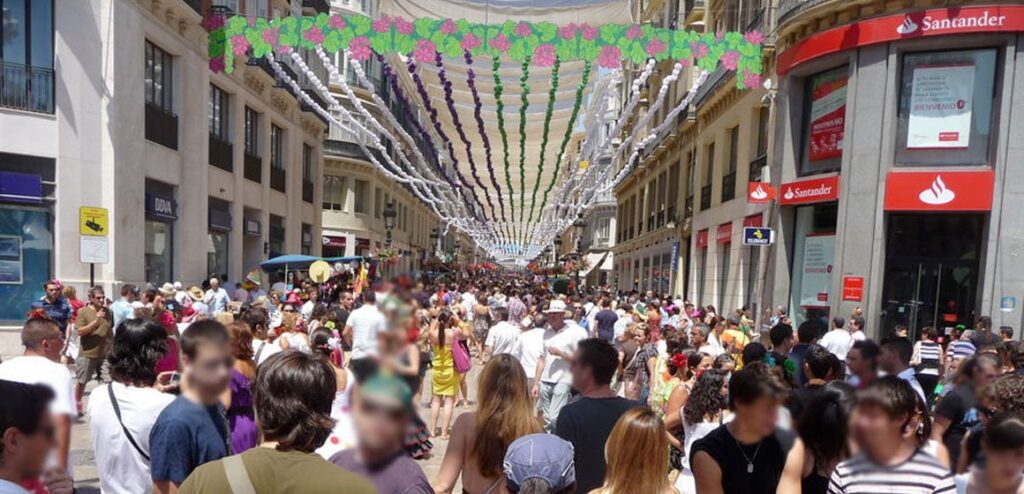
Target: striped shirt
921,474
928,353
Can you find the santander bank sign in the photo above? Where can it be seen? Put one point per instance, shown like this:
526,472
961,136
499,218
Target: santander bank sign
809,191
928,23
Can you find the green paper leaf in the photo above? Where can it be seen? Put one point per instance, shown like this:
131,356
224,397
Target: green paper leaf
452,48
237,24
321,20
589,50
360,24
424,27
531,43
332,42
566,50
463,25
518,50
609,33
404,44
547,31
381,44
508,28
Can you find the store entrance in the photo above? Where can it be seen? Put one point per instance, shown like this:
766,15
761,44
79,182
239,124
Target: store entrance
931,273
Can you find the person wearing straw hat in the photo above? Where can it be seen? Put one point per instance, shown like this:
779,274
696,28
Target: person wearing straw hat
552,384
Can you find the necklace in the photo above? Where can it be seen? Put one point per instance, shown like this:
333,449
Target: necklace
750,459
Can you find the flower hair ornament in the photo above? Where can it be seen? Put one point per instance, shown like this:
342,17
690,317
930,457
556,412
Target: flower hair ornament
679,360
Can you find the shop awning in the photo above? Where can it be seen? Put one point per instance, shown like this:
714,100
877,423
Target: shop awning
291,261
597,261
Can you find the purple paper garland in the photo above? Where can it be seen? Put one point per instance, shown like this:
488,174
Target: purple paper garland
477,109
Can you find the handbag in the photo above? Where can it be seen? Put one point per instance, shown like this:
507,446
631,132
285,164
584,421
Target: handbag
460,357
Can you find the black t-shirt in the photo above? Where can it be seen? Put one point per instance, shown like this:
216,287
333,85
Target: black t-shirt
769,460
587,423
803,397
606,324
958,407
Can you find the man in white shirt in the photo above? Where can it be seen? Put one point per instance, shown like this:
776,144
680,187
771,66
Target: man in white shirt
307,308
553,380
216,297
27,428
362,331
503,336
531,348
469,303
39,365
857,329
838,341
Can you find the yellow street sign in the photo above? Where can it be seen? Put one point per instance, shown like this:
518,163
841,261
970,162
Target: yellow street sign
93,221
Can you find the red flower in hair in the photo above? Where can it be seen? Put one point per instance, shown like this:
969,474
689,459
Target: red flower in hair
38,315
679,361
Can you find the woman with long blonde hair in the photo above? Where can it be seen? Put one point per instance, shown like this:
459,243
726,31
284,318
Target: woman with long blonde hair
637,455
479,439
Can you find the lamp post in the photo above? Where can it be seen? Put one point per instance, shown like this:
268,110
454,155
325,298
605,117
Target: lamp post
558,248
579,225
434,236
390,213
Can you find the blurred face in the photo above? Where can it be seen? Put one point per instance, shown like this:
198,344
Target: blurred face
696,338
874,429
29,452
857,363
705,364
215,283
1003,468
210,371
762,415
556,319
984,374
724,391
380,427
97,298
52,291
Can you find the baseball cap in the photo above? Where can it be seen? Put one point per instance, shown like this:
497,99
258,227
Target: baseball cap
540,456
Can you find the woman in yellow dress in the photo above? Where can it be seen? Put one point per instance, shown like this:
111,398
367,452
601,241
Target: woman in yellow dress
444,381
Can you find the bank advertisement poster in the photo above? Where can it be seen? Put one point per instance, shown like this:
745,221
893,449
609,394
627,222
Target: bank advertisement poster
10,260
828,115
941,101
819,251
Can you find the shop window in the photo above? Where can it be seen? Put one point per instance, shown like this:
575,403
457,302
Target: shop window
159,242
26,256
702,275
217,254
947,107
813,258
824,121
724,258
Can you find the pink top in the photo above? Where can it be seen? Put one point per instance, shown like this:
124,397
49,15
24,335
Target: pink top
169,362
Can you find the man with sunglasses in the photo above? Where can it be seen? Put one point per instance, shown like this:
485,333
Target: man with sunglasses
56,306
383,408
40,365
193,429
27,435
94,325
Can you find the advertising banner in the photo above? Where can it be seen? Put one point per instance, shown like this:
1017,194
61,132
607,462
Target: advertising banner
941,101
11,268
828,115
819,251
940,190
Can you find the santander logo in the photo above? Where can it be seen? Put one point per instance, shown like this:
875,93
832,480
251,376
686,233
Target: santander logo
908,26
938,194
759,193
951,22
789,193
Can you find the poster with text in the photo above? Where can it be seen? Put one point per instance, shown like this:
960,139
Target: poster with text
828,115
10,260
941,101
819,251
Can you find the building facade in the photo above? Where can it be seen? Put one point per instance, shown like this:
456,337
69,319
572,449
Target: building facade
111,104
893,159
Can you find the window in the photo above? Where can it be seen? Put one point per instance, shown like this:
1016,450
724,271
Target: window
824,121
276,236
159,67
729,174
307,239
219,119
702,273
308,173
252,132
256,8
673,189
26,55
362,199
277,148
378,202
335,193
709,168
762,131
947,107
723,276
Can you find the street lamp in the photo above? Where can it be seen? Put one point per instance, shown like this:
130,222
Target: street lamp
390,213
434,236
558,247
579,225
458,249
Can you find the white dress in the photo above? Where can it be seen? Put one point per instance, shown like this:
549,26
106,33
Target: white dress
296,343
344,434
685,483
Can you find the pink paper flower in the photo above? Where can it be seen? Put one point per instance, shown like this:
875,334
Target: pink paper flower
284,49
501,43
252,22
610,57
425,51
215,22
590,33
634,32
239,45
449,27
469,42
754,37
403,26
719,35
270,36
382,25
314,35
544,55
217,64
568,31
523,29
702,50
730,59
336,22
685,62
751,80
655,46
359,48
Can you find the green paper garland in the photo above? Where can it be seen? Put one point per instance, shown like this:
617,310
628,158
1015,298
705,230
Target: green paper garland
523,84
499,88
544,139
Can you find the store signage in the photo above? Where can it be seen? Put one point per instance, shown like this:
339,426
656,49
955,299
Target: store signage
939,191
756,235
161,207
760,192
810,191
819,251
93,221
724,233
828,115
853,288
674,263
252,227
333,241
702,239
21,187
933,22
940,106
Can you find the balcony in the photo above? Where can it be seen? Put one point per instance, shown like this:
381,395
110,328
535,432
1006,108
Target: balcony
729,187
790,8
757,168
24,87
161,126
277,179
307,191
253,168
221,155
705,197
320,6
197,5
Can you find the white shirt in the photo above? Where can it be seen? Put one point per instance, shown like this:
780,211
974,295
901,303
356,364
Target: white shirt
269,349
909,376
556,369
32,369
838,342
307,310
119,466
621,325
367,323
12,488
241,295
858,336
531,349
468,303
504,338
217,300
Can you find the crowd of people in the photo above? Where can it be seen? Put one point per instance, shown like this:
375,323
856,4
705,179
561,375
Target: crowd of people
320,388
